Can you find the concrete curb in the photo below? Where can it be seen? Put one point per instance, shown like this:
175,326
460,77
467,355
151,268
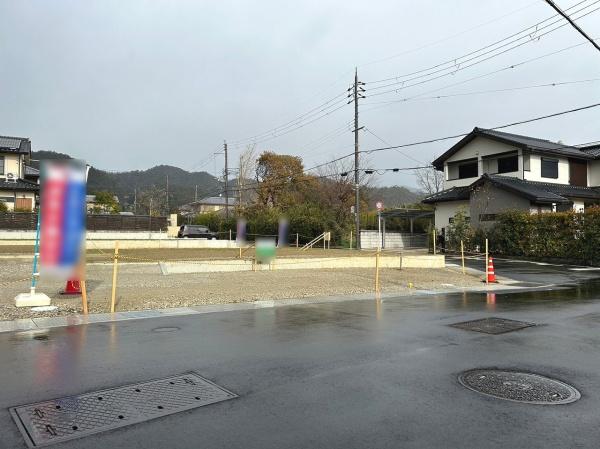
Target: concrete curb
31,324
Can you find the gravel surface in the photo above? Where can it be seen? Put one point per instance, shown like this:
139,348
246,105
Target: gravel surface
141,286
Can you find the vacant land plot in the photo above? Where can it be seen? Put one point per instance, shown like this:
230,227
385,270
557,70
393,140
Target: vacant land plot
133,255
142,286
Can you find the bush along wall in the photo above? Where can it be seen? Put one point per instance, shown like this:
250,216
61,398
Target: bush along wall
568,236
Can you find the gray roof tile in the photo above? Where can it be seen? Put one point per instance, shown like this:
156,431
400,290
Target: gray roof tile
20,184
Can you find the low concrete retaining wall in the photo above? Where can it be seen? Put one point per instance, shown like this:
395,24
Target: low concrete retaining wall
306,263
127,240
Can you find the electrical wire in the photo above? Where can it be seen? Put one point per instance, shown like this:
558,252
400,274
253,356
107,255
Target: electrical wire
532,29
422,47
455,136
458,68
480,92
484,75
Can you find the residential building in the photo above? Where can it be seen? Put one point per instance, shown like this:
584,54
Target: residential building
92,206
19,186
488,172
208,204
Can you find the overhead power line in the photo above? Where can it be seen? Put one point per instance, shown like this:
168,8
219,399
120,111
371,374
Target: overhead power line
573,24
531,33
520,122
455,136
439,41
480,92
484,75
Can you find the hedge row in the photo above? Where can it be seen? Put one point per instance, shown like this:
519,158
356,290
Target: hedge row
560,235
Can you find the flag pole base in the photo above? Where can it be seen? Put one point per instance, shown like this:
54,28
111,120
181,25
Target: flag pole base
32,299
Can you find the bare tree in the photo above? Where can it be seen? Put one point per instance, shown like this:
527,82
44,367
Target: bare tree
246,171
430,180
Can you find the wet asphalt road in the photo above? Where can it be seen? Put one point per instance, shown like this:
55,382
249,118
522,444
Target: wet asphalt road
357,374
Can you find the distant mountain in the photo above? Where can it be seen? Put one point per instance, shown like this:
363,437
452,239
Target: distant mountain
395,196
182,184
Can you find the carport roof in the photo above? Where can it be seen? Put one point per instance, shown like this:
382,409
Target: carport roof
407,213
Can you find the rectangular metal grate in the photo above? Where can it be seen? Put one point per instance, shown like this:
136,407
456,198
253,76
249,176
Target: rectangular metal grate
492,325
68,418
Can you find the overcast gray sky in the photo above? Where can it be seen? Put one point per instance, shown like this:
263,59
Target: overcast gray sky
131,84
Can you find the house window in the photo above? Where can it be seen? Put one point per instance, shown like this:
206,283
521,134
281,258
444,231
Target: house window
7,199
508,164
468,170
549,168
487,217
1,165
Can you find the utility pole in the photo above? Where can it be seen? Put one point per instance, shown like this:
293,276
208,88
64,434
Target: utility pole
356,93
167,195
196,194
135,201
226,180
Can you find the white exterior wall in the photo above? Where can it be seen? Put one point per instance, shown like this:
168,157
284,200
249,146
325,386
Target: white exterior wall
535,174
578,205
444,211
593,173
478,148
12,165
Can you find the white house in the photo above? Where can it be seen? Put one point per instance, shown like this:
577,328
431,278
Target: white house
488,172
18,182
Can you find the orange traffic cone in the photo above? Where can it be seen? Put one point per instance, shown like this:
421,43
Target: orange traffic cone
73,287
491,277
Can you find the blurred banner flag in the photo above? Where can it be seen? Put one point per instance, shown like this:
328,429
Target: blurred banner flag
62,210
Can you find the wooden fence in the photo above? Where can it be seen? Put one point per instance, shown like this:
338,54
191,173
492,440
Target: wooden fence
25,221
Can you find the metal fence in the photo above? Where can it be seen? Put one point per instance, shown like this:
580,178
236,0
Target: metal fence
26,221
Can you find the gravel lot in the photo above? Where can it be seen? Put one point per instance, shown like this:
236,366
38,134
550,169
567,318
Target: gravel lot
141,286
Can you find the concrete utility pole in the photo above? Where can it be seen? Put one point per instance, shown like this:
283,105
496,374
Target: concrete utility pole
167,195
226,180
196,194
573,24
356,94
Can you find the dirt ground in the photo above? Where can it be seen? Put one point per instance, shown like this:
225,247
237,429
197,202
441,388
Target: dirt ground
142,286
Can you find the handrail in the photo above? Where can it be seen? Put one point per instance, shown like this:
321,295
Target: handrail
313,242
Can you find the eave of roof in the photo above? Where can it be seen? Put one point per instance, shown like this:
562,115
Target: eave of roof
516,140
451,194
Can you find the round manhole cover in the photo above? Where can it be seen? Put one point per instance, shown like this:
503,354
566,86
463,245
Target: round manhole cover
165,329
519,387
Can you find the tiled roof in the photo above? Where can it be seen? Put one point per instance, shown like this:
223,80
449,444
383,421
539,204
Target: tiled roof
537,192
214,201
14,144
541,192
516,140
20,184
451,194
593,150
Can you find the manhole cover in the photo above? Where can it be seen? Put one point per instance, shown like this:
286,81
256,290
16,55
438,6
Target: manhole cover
165,329
492,325
68,418
519,387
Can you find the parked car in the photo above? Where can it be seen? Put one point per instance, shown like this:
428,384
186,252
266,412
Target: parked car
196,232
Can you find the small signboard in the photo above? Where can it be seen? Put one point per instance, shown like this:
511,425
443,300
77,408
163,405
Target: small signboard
327,236
379,205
